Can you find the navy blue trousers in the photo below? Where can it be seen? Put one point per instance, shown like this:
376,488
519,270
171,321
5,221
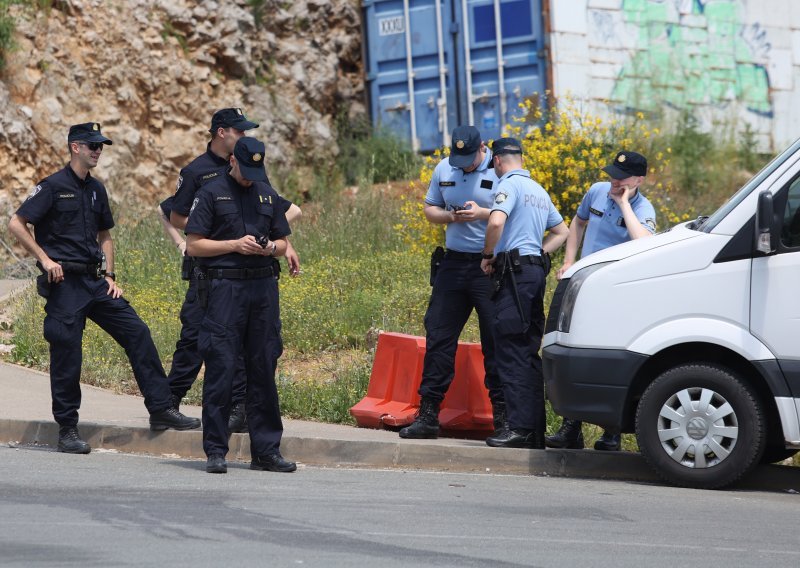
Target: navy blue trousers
186,361
242,318
517,348
459,287
69,303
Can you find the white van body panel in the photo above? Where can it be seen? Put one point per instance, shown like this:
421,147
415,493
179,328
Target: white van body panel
789,410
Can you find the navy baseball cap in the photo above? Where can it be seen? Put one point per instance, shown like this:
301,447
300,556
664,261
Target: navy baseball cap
627,164
249,152
466,141
506,146
231,118
87,132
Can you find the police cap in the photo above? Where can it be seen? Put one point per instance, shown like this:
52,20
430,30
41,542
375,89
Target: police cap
87,132
231,118
464,147
506,146
627,164
249,153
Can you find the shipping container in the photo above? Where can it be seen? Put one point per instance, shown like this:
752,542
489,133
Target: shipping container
434,64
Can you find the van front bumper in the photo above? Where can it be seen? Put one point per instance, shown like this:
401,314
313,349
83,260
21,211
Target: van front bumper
591,384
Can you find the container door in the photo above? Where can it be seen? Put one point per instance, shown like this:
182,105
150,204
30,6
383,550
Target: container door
503,55
410,85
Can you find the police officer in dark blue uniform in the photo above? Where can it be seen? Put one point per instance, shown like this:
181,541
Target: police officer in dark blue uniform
227,126
72,220
235,230
514,254
460,195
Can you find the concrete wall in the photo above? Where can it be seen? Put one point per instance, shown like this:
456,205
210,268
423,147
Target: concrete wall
735,62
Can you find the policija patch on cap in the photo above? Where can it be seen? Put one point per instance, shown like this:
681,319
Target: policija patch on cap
256,157
460,144
621,158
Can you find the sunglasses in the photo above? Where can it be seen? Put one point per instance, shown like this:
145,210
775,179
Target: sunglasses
93,146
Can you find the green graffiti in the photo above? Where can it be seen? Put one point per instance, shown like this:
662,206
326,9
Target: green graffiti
705,63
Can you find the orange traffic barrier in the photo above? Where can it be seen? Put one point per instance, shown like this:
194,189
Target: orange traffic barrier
392,399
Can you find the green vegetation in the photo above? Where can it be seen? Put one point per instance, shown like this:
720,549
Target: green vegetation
8,23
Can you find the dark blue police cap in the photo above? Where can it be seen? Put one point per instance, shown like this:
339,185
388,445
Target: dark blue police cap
249,153
627,164
466,141
506,146
231,118
87,132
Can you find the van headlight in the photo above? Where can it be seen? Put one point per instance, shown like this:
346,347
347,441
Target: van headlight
571,294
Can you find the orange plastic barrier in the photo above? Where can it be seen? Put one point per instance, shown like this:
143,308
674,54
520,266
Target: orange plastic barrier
392,398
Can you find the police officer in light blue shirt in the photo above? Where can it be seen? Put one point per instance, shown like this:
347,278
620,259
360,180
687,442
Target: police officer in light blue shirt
611,213
460,195
514,252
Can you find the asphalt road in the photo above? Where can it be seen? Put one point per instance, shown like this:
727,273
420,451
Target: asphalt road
109,509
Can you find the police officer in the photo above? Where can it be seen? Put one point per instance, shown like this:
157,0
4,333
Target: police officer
72,219
460,194
610,213
513,254
235,230
227,126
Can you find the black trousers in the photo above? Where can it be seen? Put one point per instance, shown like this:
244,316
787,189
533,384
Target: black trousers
459,287
517,347
186,361
69,303
242,319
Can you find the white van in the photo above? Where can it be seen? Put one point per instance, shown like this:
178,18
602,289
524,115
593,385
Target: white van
691,338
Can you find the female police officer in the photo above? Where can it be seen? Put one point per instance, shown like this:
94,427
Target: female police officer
235,228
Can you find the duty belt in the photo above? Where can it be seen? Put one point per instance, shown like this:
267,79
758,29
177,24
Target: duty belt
239,273
456,255
80,268
531,259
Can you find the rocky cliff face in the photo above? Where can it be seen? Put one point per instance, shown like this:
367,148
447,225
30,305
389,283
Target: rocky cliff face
153,71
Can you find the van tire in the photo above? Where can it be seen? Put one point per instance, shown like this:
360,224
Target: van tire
677,407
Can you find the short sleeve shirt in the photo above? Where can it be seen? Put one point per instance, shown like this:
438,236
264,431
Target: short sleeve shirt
450,187
224,210
67,212
530,213
606,224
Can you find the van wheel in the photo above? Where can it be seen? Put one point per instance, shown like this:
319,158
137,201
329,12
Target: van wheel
700,426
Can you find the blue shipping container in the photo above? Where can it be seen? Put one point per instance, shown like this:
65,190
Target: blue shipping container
434,64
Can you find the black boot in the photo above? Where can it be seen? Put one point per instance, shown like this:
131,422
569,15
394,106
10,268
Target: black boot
237,422
568,436
499,418
175,402
171,418
517,438
426,424
70,442
216,464
273,462
608,442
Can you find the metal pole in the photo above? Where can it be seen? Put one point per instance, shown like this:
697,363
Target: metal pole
498,33
468,64
410,74
442,78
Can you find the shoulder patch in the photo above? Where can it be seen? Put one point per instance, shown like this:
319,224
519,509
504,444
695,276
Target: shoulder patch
194,204
501,196
447,184
650,223
180,183
487,184
35,191
594,211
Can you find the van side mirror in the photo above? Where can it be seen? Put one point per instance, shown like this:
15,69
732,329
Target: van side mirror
764,221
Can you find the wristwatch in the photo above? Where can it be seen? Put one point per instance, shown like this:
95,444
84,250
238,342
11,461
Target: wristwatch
487,255
111,275
274,248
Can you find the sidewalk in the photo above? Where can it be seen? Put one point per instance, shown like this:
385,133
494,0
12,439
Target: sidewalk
120,422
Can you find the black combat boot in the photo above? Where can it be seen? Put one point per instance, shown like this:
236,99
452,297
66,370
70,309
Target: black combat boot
175,402
171,418
237,422
216,464
70,442
569,436
273,462
426,424
517,438
609,442
499,418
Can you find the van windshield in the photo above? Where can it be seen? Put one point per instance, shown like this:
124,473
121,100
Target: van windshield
707,225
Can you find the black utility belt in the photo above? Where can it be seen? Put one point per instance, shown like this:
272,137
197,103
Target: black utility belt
239,273
456,255
80,268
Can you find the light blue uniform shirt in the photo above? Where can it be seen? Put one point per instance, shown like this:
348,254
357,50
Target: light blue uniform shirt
606,223
451,186
530,213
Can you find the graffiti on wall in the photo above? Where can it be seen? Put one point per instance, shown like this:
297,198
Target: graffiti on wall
692,52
